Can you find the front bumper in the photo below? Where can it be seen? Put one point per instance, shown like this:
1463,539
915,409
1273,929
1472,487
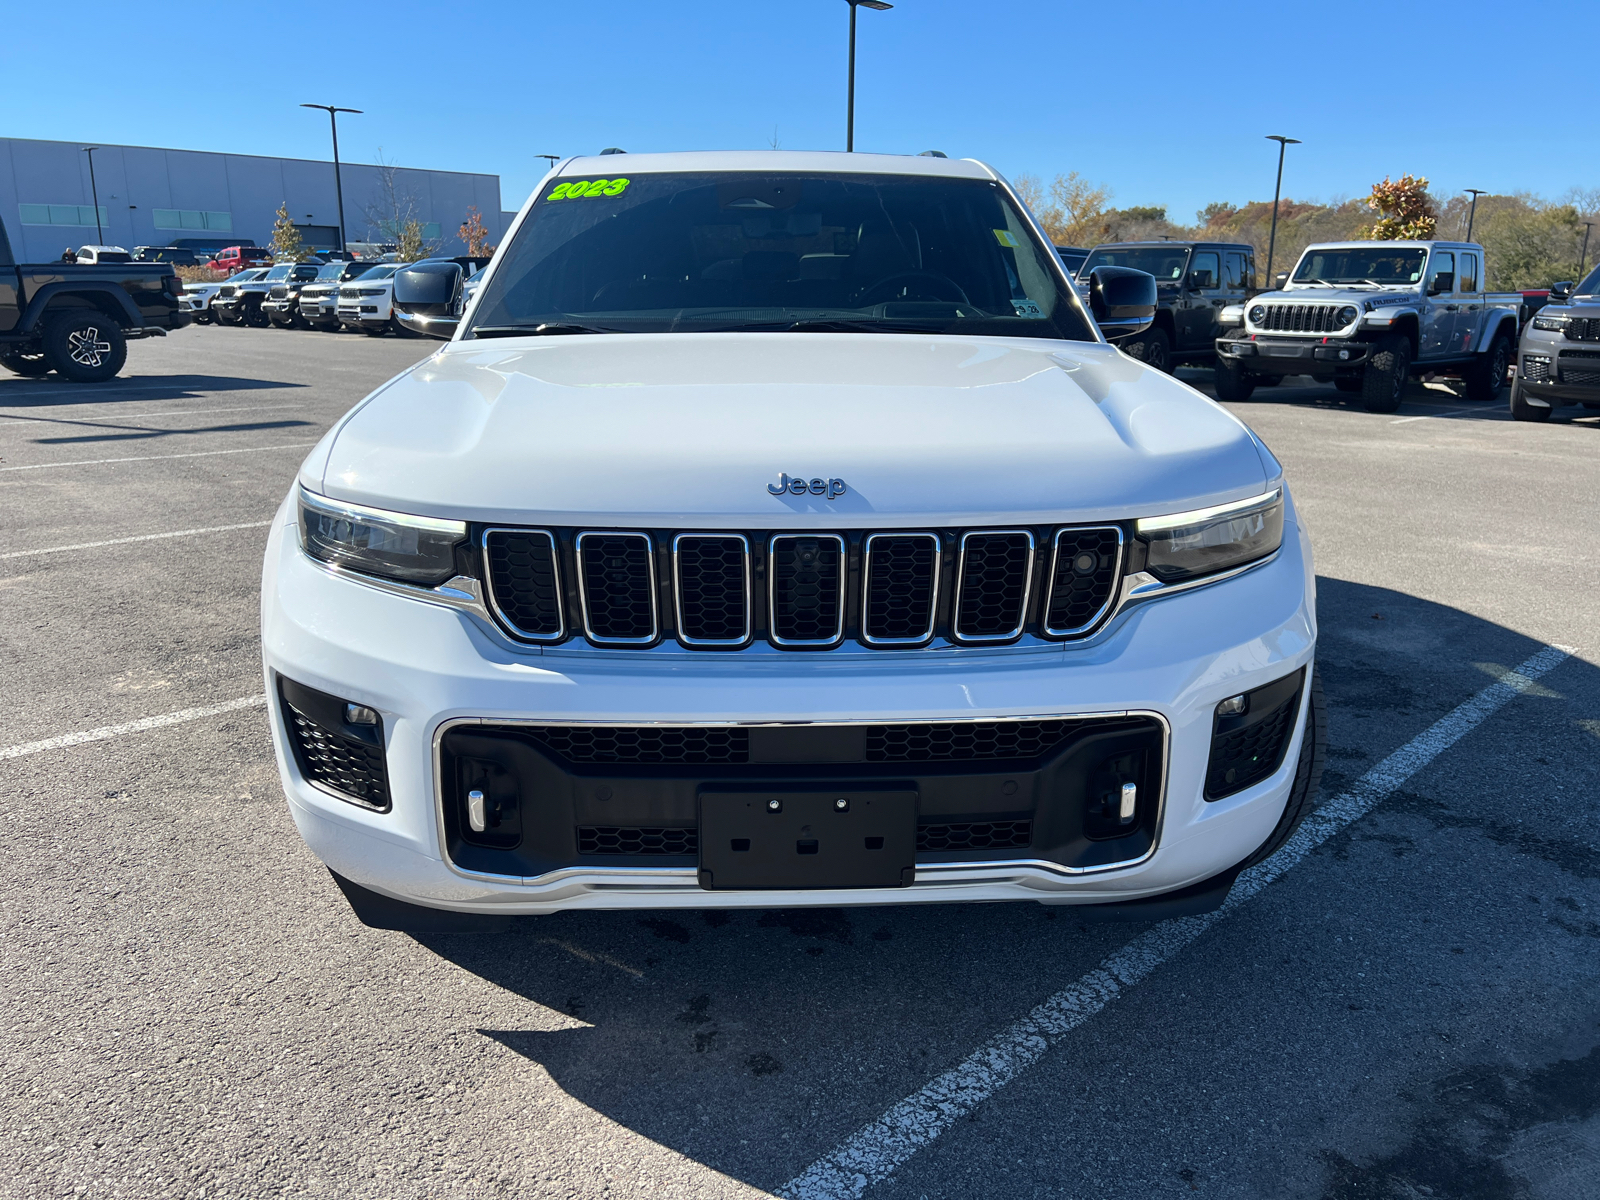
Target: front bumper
1293,356
433,672
1555,371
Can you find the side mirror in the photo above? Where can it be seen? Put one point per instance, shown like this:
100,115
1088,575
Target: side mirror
1282,280
1561,292
1122,300
427,298
1444,281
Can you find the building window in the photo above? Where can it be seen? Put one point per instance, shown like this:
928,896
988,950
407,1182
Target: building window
62,214
184,218
430,230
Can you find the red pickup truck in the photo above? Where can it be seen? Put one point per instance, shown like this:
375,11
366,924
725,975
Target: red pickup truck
239,258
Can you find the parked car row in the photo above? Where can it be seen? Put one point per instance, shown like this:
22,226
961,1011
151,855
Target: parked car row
353,295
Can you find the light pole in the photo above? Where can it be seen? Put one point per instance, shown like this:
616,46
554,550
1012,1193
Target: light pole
1272,239
333,112
850,113
1472,212
1583,259
94,193
554,158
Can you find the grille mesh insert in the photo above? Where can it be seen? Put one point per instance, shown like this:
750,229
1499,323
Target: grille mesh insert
522,574
901,572
974,835
1247,756
965,740
618,586
1086,567
807,584
624,839
338,762
1583,329
1536,369
712,588
645,743
994,584
1301,318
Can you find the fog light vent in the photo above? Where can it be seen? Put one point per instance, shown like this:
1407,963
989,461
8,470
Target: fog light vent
1247,744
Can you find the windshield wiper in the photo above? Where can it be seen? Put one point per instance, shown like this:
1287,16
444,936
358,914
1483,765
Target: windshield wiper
834,325
538,329
1317,282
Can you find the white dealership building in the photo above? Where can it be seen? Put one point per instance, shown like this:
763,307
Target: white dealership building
154,197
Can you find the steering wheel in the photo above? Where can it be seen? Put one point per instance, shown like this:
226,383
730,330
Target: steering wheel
935,287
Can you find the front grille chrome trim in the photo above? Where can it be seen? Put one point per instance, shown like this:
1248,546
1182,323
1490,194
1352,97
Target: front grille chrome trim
512,627
969,639
745,637
772,592
583,589
926,636
1111,597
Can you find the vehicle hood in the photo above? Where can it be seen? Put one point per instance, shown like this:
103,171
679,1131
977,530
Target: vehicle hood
690,429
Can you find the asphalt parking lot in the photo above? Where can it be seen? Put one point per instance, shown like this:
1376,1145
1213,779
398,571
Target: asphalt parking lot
189,1009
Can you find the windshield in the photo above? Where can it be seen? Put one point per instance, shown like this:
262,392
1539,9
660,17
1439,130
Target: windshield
1347,264
110,256
1590,286
728,251
381,271
333,270
1166,263
281,271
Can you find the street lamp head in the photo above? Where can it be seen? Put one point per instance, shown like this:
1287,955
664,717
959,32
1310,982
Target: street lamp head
331,108
877,4
1475,191
90,149
1281,140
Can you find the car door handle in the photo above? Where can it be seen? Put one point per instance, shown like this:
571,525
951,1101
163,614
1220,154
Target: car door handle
1450,308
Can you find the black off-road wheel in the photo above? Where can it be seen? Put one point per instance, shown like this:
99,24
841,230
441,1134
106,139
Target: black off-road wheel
1307,775
85,346
1383,383
1232,382
31,363
252,316
1486,378
1153,349
1524,409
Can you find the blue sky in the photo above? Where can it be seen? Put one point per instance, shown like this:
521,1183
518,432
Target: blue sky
1165,102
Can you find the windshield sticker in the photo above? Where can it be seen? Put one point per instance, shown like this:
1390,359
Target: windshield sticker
1027,308
587,189
1006,238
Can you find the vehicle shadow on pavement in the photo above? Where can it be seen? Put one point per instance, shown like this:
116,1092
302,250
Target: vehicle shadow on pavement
140,433
754,1041
48,392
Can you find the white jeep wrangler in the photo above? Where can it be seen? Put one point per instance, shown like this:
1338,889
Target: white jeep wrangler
780,529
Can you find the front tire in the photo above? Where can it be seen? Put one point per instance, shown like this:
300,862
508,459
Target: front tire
1153,349
1232,382
85,346
1523,409
1486,378
1347,383
1307,775
1383,383
28,363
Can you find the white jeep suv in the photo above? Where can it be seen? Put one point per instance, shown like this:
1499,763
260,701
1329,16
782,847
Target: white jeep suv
779,529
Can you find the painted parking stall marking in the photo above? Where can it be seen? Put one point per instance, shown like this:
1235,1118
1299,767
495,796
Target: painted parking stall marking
143,537
874,1153
111,731
98,462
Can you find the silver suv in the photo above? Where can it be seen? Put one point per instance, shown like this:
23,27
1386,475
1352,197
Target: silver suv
1559,359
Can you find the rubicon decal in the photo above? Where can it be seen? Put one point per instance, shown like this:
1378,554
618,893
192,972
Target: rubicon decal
831,488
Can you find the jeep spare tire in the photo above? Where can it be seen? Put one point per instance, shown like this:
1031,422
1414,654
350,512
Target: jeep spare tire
85,346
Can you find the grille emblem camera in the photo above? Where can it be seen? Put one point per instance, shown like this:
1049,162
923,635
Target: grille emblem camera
831,488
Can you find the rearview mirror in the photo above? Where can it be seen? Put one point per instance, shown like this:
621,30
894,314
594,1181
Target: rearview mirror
1122,300
427,298
1561,292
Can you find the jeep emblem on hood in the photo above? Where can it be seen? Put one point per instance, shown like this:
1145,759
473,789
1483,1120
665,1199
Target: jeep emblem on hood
831,488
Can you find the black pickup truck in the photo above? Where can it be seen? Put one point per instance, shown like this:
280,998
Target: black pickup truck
76,319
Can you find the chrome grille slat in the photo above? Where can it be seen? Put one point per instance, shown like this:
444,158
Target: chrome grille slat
1301,318
899,588
994,582
711,584
617,588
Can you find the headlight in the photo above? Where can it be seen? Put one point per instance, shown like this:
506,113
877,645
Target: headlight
393,545
1258,314
1347,315
1550,324
1191,544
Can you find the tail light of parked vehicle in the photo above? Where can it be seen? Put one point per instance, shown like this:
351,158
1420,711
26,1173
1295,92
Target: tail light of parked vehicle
172,285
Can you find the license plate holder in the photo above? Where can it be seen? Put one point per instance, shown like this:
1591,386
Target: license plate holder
807,840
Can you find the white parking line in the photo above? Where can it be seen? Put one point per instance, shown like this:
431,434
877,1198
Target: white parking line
882,1147
1449,412
111,731
97,462
108,418
143,537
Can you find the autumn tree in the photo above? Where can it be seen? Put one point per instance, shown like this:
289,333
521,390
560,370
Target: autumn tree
410,244
474,234
1073,213
1404,208
287,244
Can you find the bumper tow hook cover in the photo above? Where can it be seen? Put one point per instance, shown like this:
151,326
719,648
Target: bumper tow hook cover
475,813
1130,802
